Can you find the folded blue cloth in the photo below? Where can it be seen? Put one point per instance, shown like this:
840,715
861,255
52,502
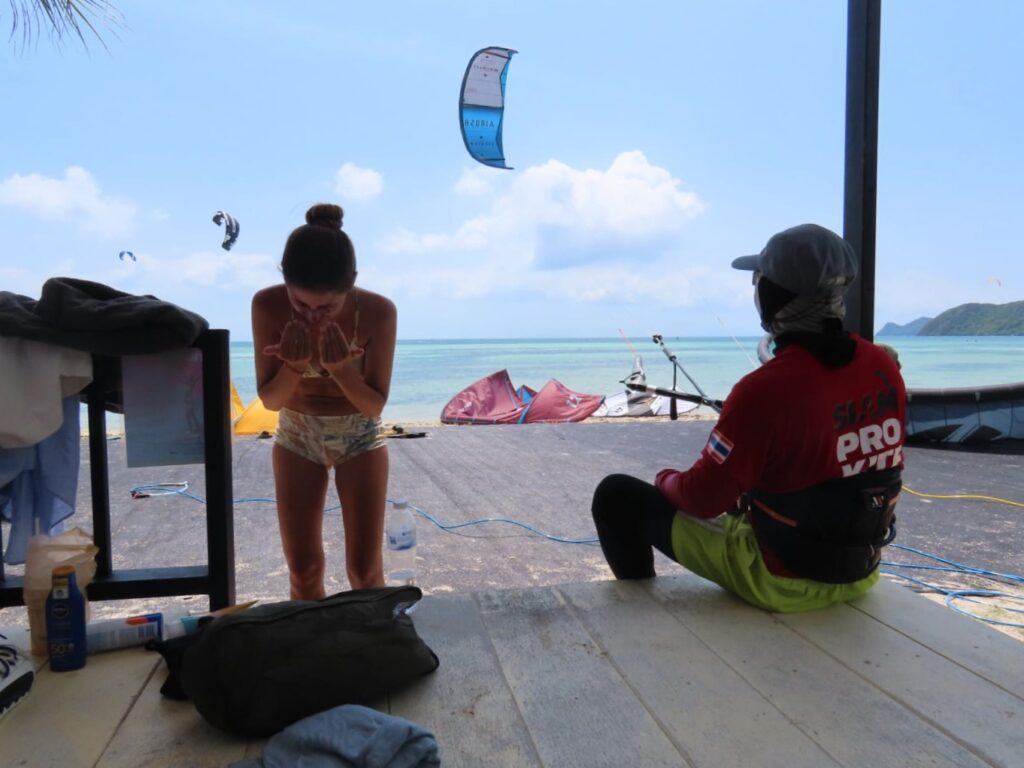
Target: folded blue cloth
349,736
39,483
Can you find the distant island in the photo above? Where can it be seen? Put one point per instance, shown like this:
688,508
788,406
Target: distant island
965,320
913,328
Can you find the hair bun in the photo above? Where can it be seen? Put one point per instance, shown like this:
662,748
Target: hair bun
325,215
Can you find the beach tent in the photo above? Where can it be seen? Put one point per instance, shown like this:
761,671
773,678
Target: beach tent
256,419
493,400
236,404
250,419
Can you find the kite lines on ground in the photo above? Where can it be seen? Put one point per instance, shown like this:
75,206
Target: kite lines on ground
482,105
230,228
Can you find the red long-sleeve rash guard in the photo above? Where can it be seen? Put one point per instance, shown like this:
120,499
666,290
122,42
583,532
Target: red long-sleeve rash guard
794,423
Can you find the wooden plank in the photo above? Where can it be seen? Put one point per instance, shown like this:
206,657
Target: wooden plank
579,710
854,722
466,702
981,649
162,733
968,708
68,718
691,691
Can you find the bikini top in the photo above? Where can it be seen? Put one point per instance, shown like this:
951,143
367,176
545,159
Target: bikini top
317,373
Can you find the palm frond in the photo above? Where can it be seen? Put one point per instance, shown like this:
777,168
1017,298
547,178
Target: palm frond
63,18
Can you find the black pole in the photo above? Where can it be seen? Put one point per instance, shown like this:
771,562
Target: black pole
220,521
673,411
861,182
104,369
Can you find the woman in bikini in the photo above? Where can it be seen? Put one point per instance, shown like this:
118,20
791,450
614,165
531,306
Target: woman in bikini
325,349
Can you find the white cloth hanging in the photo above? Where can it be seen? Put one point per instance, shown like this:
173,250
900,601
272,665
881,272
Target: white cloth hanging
34,379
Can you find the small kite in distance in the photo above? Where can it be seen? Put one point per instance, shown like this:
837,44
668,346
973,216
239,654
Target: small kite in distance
129,254
230,228
482,105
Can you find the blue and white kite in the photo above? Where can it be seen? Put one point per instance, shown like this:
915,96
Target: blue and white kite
482,105
230,228
129,254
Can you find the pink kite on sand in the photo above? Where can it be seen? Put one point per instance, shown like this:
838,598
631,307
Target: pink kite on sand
493,400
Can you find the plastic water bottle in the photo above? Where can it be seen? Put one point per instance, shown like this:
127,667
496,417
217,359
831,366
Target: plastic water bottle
178,624
65,621
401,540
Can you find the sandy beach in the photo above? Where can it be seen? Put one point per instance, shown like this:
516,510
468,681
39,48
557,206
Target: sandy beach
541,475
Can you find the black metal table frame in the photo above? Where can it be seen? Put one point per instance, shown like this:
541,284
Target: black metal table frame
217,577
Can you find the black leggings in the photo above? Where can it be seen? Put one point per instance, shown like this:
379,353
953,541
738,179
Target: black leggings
631,517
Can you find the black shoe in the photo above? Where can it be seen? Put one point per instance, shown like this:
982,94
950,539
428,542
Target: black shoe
16,675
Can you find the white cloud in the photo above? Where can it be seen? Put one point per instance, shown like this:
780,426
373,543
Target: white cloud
76,197
477,181
204,269
560,232
578,284
554,206
354,183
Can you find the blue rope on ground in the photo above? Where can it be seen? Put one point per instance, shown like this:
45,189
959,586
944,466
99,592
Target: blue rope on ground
181,489
953,595
509,521
959,566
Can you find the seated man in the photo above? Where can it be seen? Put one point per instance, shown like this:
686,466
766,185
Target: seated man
805,457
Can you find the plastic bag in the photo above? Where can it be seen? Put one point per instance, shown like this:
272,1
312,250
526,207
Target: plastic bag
74,547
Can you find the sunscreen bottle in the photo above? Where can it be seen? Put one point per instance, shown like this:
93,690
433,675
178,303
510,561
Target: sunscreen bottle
65,621
112,634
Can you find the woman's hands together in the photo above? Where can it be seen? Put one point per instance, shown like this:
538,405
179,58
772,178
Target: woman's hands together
294,349
335,350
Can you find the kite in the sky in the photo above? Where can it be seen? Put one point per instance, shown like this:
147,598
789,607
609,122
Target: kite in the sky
123,254
230,228
482,105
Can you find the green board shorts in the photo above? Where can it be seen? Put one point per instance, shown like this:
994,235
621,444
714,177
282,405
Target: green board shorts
724,550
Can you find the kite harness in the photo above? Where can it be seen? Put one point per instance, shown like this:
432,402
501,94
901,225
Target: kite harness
832,532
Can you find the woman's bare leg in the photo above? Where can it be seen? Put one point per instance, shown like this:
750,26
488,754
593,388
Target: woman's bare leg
301,487
362,483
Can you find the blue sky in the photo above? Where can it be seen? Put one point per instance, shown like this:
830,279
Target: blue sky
650,147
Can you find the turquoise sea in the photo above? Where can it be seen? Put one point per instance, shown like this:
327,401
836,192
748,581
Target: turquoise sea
429,373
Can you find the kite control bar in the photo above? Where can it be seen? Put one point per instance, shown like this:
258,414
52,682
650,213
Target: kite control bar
676,395
701,399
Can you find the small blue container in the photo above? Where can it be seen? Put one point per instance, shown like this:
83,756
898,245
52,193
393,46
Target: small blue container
65,621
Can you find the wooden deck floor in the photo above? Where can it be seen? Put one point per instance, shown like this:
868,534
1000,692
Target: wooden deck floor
669,672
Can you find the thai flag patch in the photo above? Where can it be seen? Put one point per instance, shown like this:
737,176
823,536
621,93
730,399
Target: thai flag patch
718,447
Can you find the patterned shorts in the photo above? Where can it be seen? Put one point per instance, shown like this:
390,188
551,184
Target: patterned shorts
327,440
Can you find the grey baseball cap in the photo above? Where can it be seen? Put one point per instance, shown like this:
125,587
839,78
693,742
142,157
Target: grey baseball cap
806,260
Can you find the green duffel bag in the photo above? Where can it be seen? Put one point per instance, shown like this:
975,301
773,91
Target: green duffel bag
257,671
